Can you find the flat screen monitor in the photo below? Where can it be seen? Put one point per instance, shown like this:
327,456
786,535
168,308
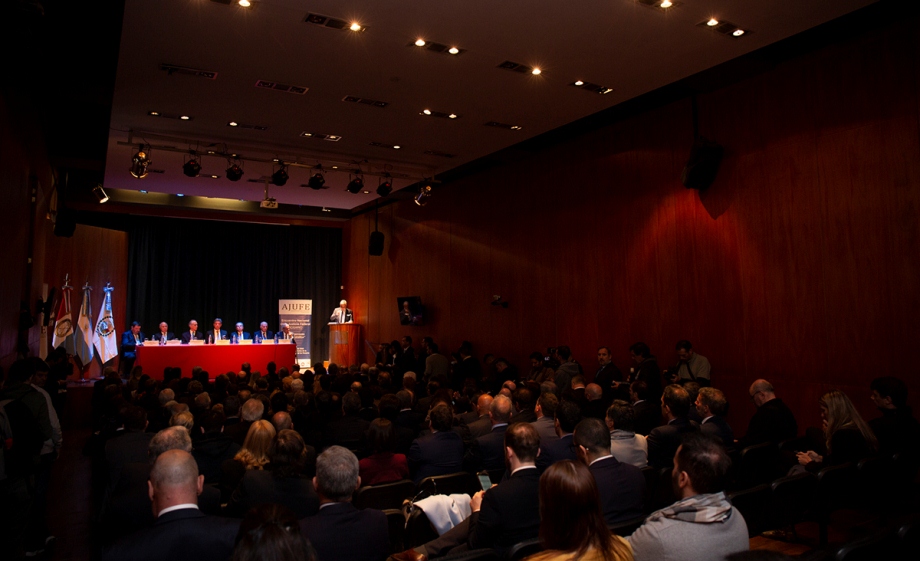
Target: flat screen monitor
411,311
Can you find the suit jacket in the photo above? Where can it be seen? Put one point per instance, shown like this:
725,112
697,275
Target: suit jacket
605,378
488,451
346,431
158,335
261,486
129,344
557,450
648,416
621,488
128,448
664,440
648,371
336,316
187,336
438,453
467,368
718,427
546,428
596,409
480,427
280,335
772,422
209,335
234,336
341,532
259,336
510,512
180,535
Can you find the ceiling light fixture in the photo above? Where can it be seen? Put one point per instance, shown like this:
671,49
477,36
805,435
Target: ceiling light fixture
579,82
234,170
536,71
356,185
139,163
180,195
424,194
453,50
280,176
245,3
426,111
155,113
666,4
712,22
738,32
419,42
100,194
142,192
185,117
191,167
355,26
396,147
384,188
317,180
233,124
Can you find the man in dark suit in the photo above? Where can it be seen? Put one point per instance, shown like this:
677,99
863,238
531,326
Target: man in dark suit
607,373
339,531
524,404
182,531
239,334
285,333
212,447
441,451
648,413
545,411
405,357
568,415
488,451
595,405
129,342
348,430
263,334
164,334
646,369
483,423
216,334
407,416
773,421
711,405
130,446
192,334
342,314
502,516
621,486
664,440
467,367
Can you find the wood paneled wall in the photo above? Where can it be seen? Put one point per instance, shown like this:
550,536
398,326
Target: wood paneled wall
801,264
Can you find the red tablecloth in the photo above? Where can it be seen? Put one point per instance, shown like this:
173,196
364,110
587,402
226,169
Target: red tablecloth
215,359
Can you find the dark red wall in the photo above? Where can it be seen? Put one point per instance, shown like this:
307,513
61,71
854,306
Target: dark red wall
801,263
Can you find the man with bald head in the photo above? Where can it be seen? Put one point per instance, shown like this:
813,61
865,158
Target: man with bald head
487,451
773,421
482,425
181,531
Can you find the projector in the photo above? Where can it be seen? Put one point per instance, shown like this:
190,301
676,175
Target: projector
269,203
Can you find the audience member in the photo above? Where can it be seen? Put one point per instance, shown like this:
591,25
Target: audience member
625,445
712,406
253,455
212,448
383,465
483,424
664,440
439,452
567,369
539,371
271,532
621,485
648,413
545,411
607,374
848,437
897,430
772,422
646,369
568,415
691,366
595,406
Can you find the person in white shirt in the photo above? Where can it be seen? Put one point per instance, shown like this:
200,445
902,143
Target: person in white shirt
625,444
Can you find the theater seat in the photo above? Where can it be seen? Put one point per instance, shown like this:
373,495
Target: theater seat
791,498
757,465
524,549
460,482
396,521
753,504
386,496
881,545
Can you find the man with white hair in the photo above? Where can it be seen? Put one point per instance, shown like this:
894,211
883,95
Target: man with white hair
339,530
263,334
285,334
342,314
181,531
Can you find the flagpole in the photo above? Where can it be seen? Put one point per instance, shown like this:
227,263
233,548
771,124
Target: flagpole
85,367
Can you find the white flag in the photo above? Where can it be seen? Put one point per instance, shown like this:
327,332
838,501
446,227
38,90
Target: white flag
63,325
85,333
104,335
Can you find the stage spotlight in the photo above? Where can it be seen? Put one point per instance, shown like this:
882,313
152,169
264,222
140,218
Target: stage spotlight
317,180
385,188
280,177
356,185
139,163
234,172
191,168
423,195
100,194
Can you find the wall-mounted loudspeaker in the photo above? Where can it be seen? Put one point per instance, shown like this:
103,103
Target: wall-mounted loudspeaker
375,246
703,164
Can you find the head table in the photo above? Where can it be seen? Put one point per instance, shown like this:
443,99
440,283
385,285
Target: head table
215,359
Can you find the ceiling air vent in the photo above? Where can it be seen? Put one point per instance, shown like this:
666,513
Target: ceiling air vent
515,67
173,69
269,85
365,101
439,153
330,22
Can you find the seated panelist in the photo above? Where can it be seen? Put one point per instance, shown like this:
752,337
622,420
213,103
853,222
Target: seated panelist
164,334
264,333
217,333
192,334
285,333
238,334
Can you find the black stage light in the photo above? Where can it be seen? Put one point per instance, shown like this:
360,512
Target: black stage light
280,177
234,172
317,180
385,188
139,163
355,185
100,194
423,195
191,168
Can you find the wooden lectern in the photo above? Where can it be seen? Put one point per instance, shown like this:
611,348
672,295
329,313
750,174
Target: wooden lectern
344,343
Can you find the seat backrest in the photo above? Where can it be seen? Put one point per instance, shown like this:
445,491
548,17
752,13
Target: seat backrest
758,465
419,530
460,482
524,549
836,486
385,496
880,545
396,522
790,498
753,504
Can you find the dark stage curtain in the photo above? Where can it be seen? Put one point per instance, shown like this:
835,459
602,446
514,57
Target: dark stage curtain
184,269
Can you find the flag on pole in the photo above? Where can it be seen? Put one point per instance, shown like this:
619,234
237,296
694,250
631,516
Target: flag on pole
104,335
84,335
63,324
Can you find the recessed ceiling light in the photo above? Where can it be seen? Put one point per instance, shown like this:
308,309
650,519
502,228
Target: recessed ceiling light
515,127
355,26
426,111
215,177
420,42
366,192
335,167
579,82
666,4
155,113
738,32
536,71
245,3
232,123
712,22
210,151
242,200
184,117
308,134
397,147
452,116
453,50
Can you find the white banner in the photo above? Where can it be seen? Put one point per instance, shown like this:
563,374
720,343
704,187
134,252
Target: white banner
298,314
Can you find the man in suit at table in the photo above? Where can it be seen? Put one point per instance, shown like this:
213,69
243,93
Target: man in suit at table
342,314
263,334
217,333
192,334
339,530
129,342
164,334
285,334
238,333
181,531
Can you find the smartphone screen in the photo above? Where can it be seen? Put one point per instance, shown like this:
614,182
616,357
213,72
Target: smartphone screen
485,482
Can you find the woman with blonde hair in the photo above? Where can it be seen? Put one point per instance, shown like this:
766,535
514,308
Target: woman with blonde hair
572,526
848,437
253,455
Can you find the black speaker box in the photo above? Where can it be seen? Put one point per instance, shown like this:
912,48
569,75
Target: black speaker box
375,246
65,223
703,164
